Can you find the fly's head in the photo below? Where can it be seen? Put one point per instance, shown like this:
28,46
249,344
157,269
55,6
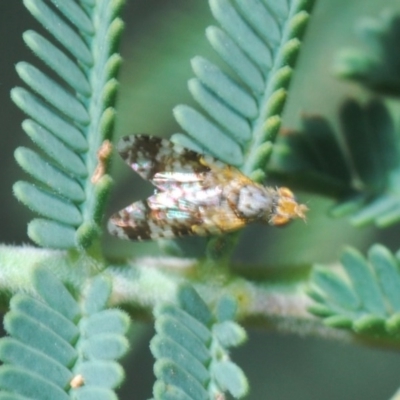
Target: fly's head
286,208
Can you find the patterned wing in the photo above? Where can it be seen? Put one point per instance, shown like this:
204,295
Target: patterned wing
139,222
161,161
176,212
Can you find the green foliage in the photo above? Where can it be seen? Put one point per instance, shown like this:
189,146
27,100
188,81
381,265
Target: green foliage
53,338
358,165
61,346
376,66
364,296
72,116
191,349
259,41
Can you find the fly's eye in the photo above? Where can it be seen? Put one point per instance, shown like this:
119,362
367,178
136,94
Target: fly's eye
285,192
279,220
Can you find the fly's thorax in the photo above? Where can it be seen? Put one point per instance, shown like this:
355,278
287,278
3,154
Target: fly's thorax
255,202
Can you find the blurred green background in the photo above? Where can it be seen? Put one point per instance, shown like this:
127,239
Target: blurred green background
160,38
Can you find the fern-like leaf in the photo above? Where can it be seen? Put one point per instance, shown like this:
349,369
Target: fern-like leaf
60,348
361,168
259,40
377,66
72,117
191,349
366,298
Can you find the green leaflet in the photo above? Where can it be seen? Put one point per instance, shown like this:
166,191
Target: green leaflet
377,67
358,165
58,62
366,299
75,15
54,339
64,102
70,118
259,41
191,349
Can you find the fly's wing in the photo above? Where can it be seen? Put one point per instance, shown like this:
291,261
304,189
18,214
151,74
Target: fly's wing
161,161
151,220
164,215
140,222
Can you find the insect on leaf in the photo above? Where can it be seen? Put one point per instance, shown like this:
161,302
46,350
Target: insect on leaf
196,194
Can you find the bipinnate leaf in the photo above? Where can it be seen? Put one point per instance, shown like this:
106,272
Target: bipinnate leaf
359,165
191,349
259,41
59,348
375,66
365,298
71,119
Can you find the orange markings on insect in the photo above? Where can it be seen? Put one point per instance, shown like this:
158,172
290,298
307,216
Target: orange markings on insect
287,208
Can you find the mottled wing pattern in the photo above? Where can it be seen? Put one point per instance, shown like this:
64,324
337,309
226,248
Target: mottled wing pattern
165,216
161,161
189,201
140,222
